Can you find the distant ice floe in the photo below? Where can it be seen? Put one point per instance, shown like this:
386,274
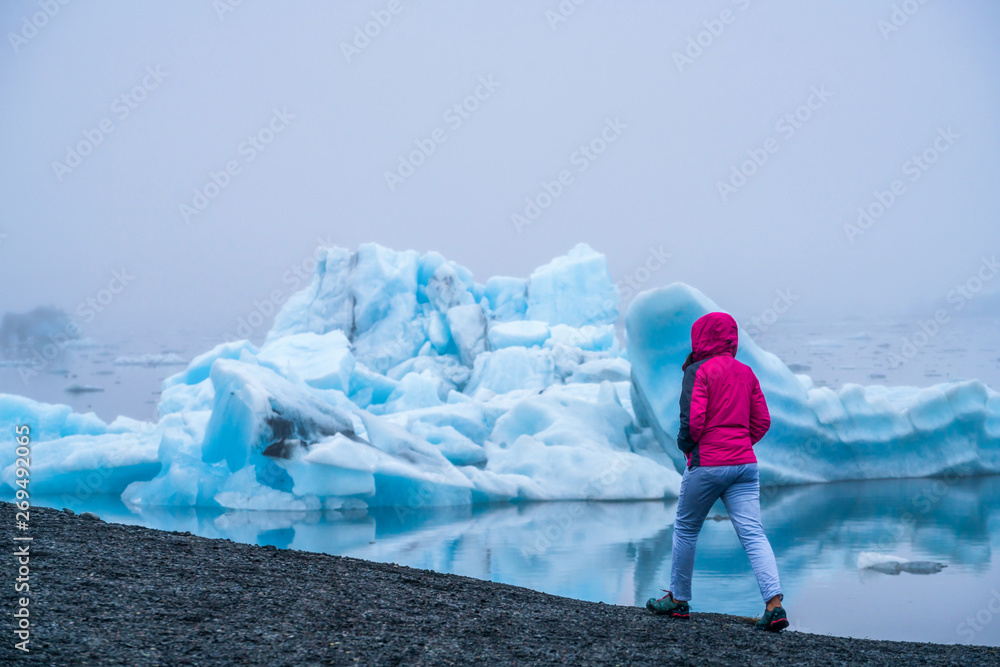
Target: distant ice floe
77,388
394,379
169,359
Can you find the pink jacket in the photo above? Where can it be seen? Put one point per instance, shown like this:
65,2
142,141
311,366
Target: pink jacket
723,412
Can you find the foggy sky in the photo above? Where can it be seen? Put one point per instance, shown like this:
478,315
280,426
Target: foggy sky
198,84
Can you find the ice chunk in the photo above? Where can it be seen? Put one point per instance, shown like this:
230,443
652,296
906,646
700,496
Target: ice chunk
334,467
186,398
77,388
322,361
416,390
256,409
44,420
370,295
526,333
199,367
445,288
468,330
242,491
511,368
866,559
575,289
184,479
566,472
575,449
614,369
507,298
587,337
446,367
414,473
369,387
455,447
84,465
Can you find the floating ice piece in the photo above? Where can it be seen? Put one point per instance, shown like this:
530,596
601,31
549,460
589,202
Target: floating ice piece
169,359
867,559
409,472
568,472
77,388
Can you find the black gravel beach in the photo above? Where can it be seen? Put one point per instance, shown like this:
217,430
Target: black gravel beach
108,594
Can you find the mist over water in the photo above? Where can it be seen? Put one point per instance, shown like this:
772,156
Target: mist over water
843,152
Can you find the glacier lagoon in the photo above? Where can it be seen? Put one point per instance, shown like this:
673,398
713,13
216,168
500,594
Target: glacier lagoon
396,397
394,379
619,552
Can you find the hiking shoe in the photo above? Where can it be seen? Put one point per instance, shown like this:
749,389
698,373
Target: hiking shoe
669,606
775,620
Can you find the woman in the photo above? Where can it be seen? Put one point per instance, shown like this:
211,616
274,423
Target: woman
723,415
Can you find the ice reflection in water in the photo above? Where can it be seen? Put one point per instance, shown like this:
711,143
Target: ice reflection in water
620,552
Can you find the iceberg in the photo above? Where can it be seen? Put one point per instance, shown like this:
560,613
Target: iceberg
817,434
395,380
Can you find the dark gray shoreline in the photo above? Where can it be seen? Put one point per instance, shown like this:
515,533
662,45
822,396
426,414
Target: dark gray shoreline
110,594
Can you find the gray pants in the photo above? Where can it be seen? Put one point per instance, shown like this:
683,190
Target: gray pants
739,488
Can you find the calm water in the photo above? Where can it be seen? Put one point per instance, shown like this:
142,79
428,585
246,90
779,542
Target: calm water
620,552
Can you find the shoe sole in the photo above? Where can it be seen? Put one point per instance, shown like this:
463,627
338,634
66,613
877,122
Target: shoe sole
777,625
671,614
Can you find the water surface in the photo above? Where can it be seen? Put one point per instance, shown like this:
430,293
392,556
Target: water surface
619,553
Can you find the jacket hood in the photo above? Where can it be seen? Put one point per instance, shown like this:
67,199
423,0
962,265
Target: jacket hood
714,334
